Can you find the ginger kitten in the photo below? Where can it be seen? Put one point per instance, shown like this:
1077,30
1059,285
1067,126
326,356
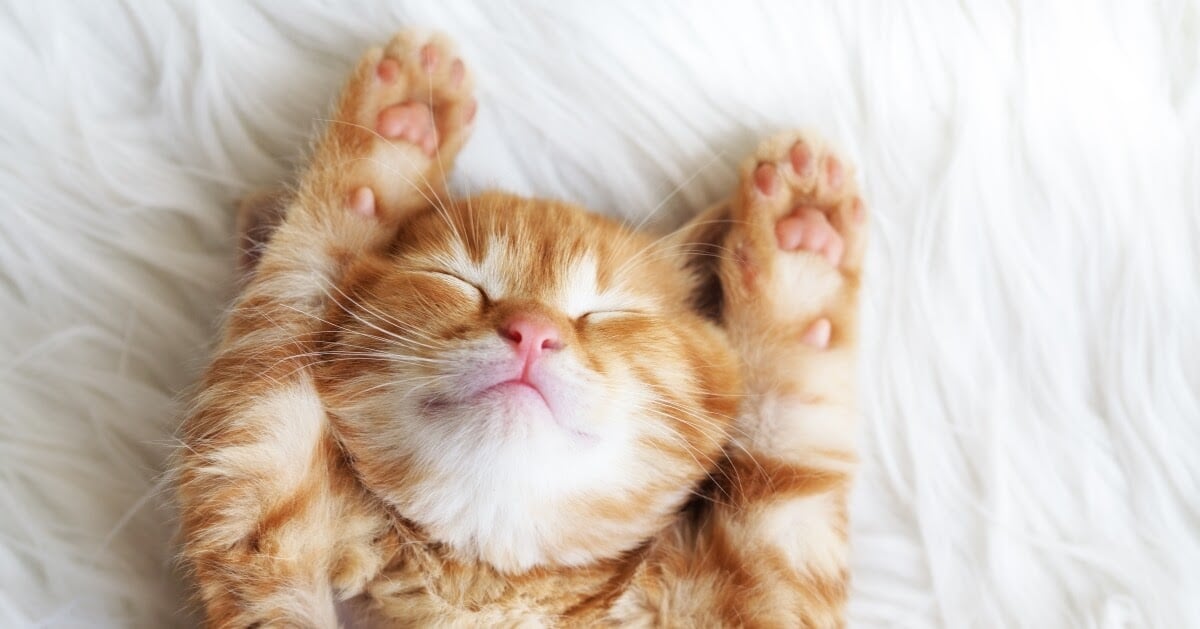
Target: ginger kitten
499,411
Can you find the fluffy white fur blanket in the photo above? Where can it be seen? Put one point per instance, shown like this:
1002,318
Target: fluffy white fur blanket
1031,373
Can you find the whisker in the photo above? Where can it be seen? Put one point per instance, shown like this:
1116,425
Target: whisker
676,190
656,244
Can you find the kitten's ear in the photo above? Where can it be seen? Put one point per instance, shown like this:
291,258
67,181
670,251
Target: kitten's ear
258,215
699,245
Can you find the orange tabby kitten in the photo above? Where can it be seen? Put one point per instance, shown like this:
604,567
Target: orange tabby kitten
500,411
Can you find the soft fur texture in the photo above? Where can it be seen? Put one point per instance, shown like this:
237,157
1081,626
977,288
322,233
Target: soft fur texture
1030,393
506,411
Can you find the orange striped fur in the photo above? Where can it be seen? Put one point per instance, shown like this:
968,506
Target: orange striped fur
676,452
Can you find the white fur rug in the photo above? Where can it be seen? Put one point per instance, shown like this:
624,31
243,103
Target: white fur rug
1031,373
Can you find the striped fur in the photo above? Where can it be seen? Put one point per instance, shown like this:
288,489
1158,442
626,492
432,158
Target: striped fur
684,461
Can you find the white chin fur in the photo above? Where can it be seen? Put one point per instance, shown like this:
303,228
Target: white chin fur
503,469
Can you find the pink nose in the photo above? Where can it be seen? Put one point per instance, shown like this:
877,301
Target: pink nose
530,335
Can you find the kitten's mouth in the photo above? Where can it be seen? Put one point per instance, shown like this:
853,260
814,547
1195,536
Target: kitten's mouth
523,391
518,394
518,387
517,382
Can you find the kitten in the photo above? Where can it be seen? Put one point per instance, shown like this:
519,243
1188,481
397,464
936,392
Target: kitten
499,411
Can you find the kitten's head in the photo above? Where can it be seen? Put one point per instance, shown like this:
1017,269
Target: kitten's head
528,382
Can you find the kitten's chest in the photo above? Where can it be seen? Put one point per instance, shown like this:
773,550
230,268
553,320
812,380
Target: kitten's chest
422,586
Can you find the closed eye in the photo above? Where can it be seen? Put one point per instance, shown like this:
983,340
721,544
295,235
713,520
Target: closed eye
596,316
457,280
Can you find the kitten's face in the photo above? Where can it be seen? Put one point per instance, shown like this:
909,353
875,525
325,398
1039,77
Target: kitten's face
527,382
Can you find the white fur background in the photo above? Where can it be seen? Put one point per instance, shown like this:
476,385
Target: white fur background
1031,371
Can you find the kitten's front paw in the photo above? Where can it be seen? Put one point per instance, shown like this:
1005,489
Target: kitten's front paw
419,93
796,246
406,112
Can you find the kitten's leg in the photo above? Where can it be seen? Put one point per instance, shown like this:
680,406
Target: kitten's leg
274,527
398,125
791,279
397,128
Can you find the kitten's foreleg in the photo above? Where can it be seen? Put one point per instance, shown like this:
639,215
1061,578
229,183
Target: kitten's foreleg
791,277
273,526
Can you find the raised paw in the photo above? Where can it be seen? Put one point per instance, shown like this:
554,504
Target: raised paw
404,115
419,92
796,246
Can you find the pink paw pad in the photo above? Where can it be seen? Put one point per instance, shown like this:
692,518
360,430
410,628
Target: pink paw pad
800,157
807,229
818,334
362,202
766,180
789,231
430,57
412,122
457,72
387,70
833,172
